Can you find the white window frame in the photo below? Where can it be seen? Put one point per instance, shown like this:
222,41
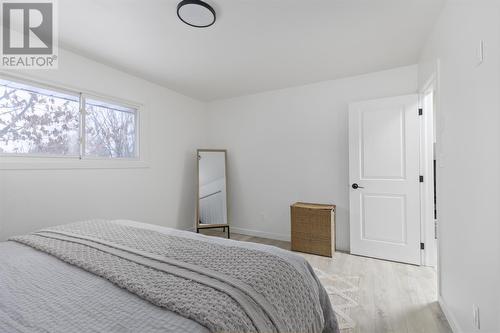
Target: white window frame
10,161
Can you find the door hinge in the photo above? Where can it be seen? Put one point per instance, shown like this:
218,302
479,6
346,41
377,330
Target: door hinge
422,246
421,179
420,111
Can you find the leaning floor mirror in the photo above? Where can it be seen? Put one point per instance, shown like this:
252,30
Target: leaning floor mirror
211,212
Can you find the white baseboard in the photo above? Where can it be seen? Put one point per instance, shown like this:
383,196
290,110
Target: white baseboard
455,327
262,234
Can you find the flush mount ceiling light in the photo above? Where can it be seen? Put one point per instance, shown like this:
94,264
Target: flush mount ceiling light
196,13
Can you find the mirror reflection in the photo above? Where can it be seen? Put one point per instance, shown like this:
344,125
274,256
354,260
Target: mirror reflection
212,198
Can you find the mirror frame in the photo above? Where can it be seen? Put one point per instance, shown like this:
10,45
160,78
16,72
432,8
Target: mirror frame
197,222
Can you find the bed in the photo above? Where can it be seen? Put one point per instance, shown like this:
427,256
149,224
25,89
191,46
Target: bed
126,276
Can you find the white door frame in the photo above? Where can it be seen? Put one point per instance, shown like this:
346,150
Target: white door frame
427,139
434,82
433,85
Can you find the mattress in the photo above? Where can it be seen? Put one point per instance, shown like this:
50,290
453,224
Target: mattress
41,293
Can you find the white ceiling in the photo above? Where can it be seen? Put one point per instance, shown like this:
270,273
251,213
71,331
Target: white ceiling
255,45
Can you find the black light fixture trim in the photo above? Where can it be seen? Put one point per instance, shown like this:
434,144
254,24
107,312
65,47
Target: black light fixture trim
199,3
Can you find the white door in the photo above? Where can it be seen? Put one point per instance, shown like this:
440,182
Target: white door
384,179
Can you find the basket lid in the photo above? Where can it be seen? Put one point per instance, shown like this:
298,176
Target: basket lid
313,206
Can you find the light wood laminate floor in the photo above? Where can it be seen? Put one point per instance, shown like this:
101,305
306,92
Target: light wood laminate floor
393,297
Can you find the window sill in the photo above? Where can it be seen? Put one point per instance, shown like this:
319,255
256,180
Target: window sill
67,163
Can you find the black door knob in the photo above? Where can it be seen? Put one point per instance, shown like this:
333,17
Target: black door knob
356,186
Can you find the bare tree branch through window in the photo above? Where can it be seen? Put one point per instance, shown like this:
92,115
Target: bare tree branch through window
37,121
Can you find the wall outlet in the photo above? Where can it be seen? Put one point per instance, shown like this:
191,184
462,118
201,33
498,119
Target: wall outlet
476,323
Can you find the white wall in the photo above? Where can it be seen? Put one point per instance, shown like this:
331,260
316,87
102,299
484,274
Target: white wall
291,145
163,193
468,153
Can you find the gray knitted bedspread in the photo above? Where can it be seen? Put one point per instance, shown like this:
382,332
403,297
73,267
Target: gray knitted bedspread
222,287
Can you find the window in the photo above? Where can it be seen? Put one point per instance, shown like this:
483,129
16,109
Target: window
109,130
36,121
